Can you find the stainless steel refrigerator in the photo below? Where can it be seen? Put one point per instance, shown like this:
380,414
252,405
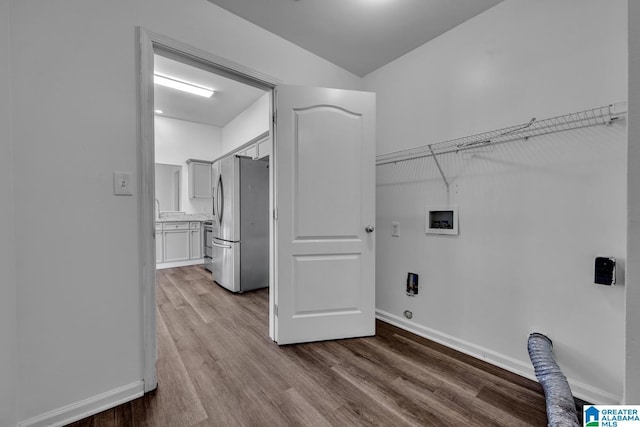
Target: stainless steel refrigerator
240,244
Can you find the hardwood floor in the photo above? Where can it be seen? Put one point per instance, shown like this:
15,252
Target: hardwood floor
218,367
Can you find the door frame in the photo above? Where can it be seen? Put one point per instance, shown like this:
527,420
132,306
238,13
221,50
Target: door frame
148,44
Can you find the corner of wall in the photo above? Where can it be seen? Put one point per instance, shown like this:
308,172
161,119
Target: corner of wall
8,318
481,76
632,337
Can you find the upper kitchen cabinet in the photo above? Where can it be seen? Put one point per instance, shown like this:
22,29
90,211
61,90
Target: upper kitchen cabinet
252,152
199,179
258,148
263,148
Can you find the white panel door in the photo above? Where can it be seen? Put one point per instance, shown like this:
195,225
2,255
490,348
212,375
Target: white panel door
325,201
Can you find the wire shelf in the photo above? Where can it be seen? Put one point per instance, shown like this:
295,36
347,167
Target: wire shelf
604,115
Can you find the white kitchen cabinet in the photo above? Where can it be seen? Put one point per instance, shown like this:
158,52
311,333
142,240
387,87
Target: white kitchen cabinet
159,243
176,241
251,152
259,149
200,179
264,148
195,241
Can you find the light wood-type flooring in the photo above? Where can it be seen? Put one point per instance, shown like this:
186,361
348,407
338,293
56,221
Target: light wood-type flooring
218,367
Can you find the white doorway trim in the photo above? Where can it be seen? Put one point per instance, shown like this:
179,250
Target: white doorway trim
150,43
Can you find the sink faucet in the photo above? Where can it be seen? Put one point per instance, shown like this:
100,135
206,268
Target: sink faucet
157,205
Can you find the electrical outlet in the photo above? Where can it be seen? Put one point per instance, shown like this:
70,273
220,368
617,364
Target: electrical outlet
395,229
122,183
412,284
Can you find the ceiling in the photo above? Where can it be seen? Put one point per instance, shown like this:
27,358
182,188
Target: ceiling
357,35
230,97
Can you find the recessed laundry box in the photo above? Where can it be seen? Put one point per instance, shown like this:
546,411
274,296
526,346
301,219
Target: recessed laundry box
441,220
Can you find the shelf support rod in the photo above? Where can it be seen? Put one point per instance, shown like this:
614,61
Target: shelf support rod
435,159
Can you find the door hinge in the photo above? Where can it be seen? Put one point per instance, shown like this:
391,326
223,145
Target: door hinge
275,117
275,214
275,309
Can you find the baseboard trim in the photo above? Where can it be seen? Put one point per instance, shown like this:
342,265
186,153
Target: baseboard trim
87,407
172,264
579,389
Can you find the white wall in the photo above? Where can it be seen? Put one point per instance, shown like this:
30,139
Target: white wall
75,122
7,234
179,140
247,125
533,215
632,375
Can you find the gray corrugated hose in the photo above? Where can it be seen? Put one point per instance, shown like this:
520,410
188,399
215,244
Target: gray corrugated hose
561,408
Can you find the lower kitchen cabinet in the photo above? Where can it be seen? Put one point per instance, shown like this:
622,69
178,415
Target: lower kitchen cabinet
195,241
159,243
178,241
176,245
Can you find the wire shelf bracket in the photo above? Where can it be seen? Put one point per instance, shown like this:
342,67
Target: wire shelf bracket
605,115
435,158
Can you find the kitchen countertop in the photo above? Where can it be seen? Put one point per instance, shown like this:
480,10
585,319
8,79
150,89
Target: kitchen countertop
173,217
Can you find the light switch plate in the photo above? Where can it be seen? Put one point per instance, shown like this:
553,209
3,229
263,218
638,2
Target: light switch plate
395,229
122,183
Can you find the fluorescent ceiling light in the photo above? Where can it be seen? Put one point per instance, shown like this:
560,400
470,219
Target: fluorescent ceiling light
182,85
158,111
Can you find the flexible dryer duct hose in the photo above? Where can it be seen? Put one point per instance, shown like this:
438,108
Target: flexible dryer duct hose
561,408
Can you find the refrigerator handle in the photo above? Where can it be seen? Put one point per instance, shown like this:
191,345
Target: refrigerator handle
220,194
218,245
